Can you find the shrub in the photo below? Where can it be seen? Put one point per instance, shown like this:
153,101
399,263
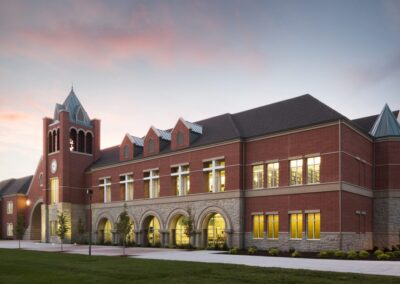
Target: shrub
273,252
252,250
394,248
383,256
391,254
296,254
363,254
378,252
292,250
330,253
233,250
396,253
322,254
340,254
352,254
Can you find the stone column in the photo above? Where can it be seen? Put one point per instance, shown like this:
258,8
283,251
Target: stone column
229,234
137,237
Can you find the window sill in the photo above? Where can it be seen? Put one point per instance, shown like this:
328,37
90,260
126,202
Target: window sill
295,239
313,240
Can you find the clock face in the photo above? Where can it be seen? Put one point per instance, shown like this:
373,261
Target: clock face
53,166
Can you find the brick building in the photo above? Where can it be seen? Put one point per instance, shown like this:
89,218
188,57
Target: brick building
293,174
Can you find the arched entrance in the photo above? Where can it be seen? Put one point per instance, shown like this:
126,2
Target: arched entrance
151,228
179,231
36,222
104,231
214,227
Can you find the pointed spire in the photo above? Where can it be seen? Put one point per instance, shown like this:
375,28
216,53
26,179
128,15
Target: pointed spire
386,124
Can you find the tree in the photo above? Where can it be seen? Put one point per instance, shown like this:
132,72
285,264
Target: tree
188,223
124,226
63,227
81,230
20,229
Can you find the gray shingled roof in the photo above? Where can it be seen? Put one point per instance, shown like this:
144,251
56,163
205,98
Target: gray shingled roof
386,124
163,134
366,123
15,186
281,116
136,140
73,106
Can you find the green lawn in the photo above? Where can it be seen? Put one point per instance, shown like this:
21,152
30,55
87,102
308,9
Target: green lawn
19,266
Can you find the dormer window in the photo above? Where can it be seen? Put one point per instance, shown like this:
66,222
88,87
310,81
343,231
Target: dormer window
79,115
126,152
179,138
151,146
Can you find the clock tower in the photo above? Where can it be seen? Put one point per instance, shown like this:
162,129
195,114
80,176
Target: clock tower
71,143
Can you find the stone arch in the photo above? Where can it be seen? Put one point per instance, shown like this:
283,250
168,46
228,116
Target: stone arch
203,223
176,235
102,216
104,229
35,220
151,228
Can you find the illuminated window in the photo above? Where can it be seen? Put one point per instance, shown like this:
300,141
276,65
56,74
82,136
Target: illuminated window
152,183
107,234
126,187
54,190
216,230
313,169
258,176
10,207
53,228
296,226
273,175
181,238
273,226
41,179
296,172
258,226
181,180
214,175
153,232
10,229
105,186
313,226
179,138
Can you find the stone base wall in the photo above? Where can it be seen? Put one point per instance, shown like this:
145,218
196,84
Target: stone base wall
328,241
387,219
165,211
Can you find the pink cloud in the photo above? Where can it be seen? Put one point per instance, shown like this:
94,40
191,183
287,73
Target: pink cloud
101,35
12,116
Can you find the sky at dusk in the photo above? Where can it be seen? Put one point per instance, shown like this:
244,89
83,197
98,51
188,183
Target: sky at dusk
134,64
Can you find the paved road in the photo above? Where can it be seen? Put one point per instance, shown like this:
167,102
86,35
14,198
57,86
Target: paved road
355,266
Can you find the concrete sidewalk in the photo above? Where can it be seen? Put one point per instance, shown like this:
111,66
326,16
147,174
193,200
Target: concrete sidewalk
390,268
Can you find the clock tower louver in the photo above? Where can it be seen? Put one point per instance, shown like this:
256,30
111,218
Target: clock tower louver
71,143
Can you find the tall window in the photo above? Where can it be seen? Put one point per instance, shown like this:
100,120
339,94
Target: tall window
273,226
105,186
273,175
179,138
313,169
214,175
296,226
53,228
126,187
152,183
181,237
258,226
181,180
54,190
10,229
258,176
10,207
296,172
313,226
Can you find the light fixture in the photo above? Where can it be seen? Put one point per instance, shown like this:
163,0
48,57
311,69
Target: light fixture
28,202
